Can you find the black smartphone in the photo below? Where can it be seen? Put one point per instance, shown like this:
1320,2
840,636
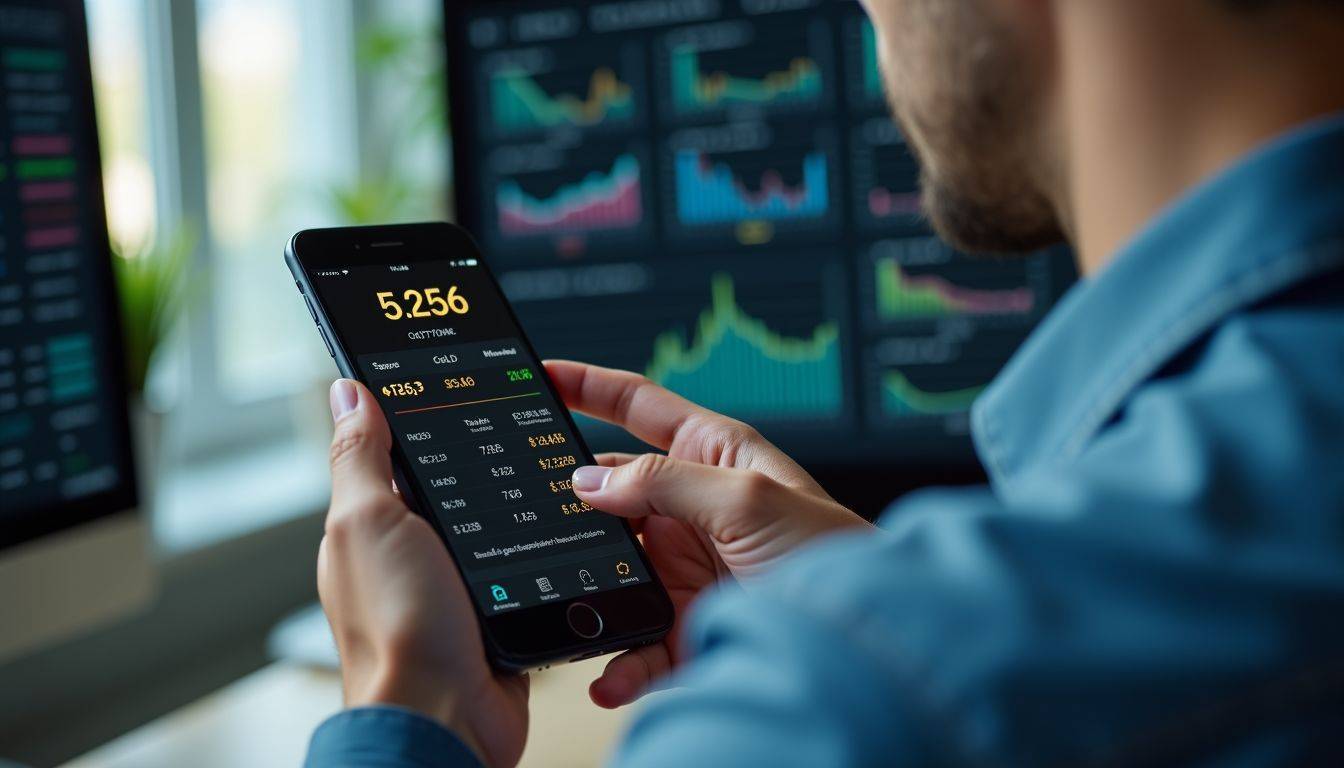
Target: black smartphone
483,447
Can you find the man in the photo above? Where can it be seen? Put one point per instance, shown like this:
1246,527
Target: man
1156,574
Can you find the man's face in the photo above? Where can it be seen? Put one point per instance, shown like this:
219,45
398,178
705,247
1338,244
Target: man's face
967,92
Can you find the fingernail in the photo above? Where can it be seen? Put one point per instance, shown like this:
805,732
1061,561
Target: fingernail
344,398
589,479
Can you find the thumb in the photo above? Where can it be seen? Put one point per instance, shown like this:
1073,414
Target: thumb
653,484
361,466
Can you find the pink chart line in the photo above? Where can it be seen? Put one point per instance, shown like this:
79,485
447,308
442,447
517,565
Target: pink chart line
621,210
54,144
52,238
45,192
883,203
975,301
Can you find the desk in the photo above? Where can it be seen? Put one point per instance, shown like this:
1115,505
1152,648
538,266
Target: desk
265,720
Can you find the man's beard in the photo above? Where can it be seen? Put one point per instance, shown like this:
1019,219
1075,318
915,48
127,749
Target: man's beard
965,106
976,215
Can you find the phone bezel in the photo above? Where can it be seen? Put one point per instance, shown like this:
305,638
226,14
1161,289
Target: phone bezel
526,638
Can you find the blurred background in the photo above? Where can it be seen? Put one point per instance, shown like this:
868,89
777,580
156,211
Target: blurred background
710,194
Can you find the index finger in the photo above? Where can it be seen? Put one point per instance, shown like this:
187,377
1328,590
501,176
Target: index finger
626,399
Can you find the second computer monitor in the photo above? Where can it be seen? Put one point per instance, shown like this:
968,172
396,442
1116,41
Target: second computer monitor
710,192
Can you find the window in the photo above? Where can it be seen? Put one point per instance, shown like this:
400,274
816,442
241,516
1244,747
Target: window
240,122
117,38
277,89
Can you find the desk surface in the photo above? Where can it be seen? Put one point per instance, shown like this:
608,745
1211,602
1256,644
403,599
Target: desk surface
265,720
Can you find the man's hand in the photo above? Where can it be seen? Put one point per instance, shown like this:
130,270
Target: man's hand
722,502
401,616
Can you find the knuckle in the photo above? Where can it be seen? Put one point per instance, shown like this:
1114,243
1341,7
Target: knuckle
723,438
633,384
347,519
736,434
646,469
753,487
749,505
347,442
335,534
338,527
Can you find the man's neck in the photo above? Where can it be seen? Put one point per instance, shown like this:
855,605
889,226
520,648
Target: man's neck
1158,97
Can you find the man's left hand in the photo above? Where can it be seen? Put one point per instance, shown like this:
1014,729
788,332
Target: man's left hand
401,616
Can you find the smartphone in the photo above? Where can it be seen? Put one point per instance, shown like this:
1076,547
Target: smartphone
483,448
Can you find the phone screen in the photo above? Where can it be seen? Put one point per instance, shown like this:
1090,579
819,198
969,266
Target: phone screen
490,447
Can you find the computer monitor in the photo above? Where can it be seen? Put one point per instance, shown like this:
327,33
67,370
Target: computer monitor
72,549
711,192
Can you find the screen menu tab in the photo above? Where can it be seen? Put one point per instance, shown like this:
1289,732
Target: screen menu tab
486,441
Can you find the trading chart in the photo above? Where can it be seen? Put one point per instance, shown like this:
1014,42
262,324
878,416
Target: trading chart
711,193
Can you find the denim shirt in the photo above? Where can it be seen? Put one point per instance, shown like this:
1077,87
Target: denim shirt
1155,575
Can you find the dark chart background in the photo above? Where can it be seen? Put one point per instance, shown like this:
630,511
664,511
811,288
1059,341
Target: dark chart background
710,192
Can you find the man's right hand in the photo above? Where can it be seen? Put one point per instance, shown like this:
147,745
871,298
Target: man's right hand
722,502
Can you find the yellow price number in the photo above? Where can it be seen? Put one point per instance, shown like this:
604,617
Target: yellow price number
419,303
545,441
459,382
576,507
560,486
557,462
403,389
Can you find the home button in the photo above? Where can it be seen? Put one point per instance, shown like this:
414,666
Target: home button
585,621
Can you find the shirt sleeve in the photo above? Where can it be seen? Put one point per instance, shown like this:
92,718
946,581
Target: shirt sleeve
1171,597
386,737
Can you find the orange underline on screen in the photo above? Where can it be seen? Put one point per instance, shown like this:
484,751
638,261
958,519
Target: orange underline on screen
469,402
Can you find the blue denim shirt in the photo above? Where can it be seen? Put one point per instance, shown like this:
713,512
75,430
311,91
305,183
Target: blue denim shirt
1155,575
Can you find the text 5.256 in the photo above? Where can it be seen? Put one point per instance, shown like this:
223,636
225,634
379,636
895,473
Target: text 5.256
418,303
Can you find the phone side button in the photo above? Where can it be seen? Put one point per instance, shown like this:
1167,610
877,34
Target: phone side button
326,341
311,311
586,622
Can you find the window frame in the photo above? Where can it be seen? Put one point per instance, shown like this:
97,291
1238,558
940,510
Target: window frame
206,422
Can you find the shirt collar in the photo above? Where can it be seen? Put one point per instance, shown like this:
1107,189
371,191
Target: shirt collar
1247,233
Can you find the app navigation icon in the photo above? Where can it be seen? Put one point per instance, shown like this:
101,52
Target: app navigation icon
544,584
586,578
623,569
498,593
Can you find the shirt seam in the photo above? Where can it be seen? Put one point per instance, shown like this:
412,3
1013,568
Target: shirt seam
1193,318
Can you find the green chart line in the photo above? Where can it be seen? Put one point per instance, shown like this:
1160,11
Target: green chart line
738,365
901,398
897,297
900,295
872,74
520,104
693,90
35,59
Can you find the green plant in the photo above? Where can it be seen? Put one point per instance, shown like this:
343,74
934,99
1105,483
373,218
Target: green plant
414,56
370,201
411,57
151,284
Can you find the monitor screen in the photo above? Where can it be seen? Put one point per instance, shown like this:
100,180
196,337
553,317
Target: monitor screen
710,192
64,450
